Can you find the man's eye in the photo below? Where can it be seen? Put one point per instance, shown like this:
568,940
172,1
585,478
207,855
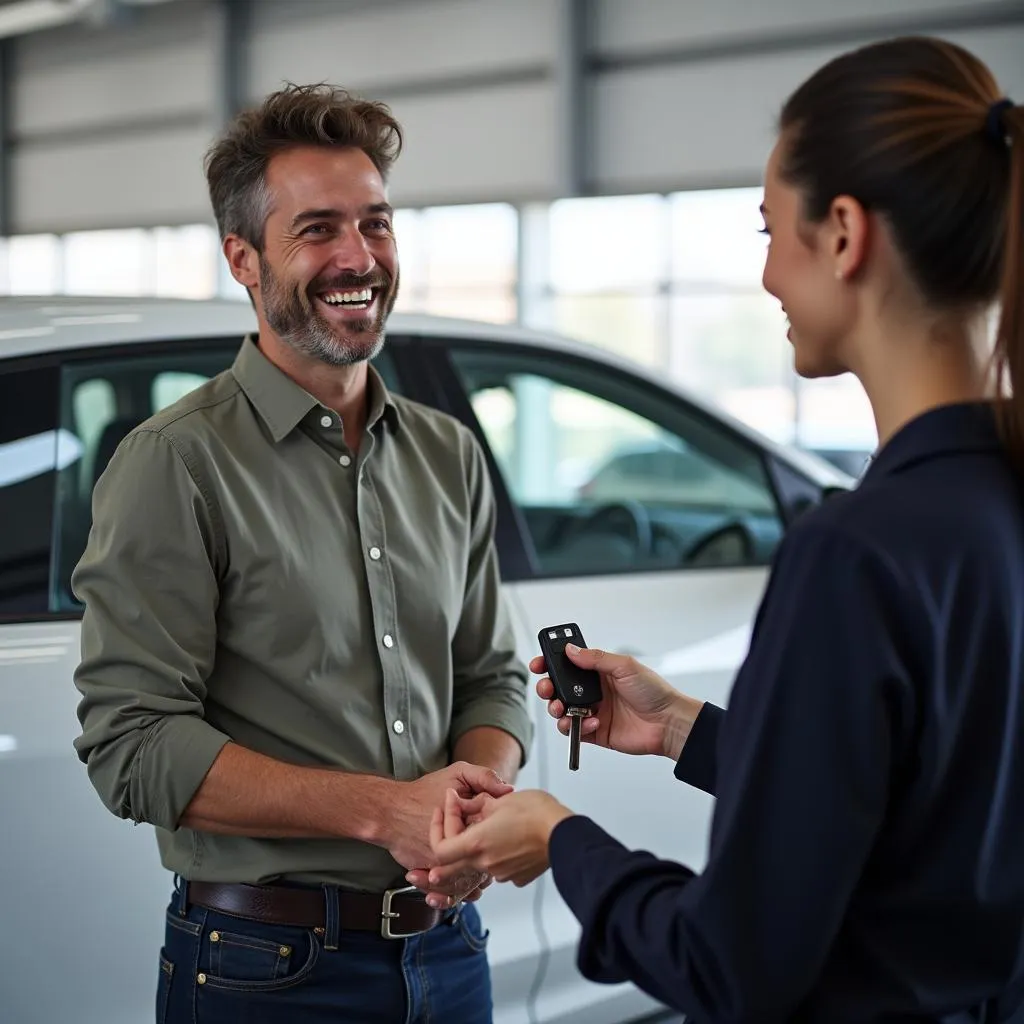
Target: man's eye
379,225
316,229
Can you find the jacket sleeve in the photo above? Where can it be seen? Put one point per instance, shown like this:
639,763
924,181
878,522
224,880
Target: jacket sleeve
698,763
148,581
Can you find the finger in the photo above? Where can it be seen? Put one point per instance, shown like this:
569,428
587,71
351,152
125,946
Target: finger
419,877
538,665
588,727
473,809
454,823
556,709
545,689
484,780
436,829
594,657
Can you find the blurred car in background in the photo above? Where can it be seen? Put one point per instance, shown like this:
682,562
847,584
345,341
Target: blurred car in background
624,504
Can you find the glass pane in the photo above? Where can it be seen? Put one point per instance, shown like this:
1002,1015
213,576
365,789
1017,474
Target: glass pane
609,243
5,267
408,226
491,306
715,238
632,326
613,478
186,262
470,246
28,461
108,263
172,385
35,264
733,349
835,420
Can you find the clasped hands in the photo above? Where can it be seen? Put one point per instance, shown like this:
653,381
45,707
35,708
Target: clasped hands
504,836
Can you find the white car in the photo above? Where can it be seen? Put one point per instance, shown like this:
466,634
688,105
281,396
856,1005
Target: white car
669,569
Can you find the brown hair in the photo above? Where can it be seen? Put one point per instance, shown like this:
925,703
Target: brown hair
297,115
909,128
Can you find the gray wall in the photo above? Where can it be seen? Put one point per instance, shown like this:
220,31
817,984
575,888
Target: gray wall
501,99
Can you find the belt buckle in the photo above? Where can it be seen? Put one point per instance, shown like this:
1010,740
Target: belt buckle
387,915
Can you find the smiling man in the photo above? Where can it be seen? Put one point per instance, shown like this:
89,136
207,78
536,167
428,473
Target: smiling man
294,640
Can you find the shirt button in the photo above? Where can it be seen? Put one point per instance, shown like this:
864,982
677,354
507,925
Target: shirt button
389,640
375,554
346,461
399,726
325,421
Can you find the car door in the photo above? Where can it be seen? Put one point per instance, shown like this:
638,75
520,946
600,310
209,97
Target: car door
651,524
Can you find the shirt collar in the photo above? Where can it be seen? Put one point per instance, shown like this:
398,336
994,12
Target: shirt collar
946,430
283,404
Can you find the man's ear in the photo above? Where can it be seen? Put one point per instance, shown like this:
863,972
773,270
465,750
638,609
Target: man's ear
243,261
849,230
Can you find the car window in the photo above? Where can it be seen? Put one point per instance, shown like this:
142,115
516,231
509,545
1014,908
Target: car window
613,475
31,449
101,401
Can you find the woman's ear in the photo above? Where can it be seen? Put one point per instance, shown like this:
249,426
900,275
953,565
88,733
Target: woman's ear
848,228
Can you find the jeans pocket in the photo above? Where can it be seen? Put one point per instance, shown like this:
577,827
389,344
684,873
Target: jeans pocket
276,958
163,988
238,957
471,928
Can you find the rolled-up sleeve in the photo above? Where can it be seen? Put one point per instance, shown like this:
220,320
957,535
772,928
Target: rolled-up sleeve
489,679
148,581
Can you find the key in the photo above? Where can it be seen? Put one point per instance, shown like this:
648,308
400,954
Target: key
578,689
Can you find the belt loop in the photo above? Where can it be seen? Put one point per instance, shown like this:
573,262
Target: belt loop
181,895
331,923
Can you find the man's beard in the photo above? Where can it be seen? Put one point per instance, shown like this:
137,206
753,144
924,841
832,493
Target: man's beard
294,317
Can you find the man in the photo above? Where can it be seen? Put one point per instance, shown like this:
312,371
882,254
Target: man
294,641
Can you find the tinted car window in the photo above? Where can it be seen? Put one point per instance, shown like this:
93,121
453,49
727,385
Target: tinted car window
30,449
612,476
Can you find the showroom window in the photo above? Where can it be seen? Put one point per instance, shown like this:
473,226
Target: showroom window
459,261
670,282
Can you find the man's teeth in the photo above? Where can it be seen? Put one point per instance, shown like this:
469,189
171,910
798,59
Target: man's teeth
360,298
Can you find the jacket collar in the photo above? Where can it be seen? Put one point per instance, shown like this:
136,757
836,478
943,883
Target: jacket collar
969,427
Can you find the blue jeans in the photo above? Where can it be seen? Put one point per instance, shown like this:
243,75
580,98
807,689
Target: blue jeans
219,969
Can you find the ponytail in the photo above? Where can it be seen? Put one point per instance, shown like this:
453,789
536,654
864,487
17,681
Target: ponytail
1009,350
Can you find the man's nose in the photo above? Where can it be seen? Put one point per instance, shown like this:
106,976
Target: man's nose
352,255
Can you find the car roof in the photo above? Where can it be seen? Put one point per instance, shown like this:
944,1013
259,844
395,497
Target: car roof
37,325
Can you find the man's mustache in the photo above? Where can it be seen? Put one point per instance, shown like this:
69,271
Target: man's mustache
345,283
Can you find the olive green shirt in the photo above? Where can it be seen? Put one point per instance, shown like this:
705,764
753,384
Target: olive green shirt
248,577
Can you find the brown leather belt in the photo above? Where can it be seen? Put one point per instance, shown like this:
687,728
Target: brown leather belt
396,913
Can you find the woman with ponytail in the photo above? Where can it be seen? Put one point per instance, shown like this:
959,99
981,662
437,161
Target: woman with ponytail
866,861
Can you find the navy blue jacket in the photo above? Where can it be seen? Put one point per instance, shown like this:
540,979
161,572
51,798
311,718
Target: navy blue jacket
866,861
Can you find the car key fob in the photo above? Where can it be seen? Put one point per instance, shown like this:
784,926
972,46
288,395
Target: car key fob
577,688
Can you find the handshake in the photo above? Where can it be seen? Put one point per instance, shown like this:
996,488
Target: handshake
479,830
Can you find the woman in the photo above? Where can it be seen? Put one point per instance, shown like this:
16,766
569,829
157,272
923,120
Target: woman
866,860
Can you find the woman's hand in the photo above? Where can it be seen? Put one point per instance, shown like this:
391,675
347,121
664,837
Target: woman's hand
505,838
640,713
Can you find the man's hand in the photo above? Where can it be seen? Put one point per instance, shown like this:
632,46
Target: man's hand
457,882
640,713
506,839
406,834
